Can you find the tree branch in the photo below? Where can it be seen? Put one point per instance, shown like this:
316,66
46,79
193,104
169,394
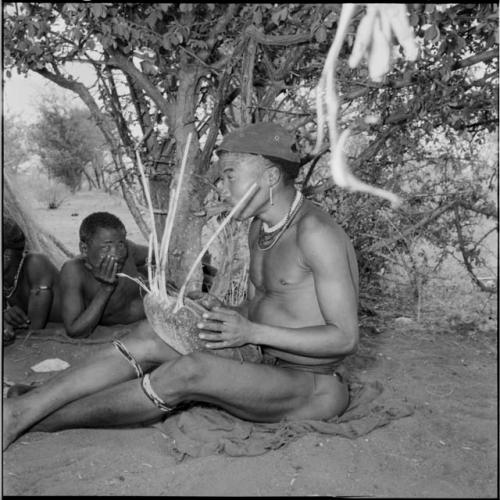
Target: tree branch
116,108
216,118
247,68
470,61
409,79
424,222
370,151
465,254
486,211
82,91
128,67
219,28
283,40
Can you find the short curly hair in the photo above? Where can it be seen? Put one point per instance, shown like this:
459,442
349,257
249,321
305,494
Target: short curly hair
98,220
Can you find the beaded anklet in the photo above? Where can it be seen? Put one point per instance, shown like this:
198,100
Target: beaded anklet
151,394
123,350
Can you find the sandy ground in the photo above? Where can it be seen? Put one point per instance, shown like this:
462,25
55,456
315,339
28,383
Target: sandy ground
448,448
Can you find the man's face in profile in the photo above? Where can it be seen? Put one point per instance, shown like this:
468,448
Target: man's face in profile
238,172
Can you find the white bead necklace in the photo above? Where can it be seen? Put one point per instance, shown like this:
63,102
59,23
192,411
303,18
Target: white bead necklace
282,222
267,240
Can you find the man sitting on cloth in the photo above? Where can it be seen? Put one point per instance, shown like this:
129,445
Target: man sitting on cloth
301,314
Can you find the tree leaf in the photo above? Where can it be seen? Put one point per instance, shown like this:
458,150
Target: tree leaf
330,19
257,17
90,44
98,10
320,34
413,19
431,33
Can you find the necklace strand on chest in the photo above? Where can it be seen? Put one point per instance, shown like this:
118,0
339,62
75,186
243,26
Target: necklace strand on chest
9,291
268,237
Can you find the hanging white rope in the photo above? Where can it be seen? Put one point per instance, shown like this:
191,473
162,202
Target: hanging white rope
373,40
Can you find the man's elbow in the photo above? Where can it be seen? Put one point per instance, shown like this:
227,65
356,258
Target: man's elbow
351,342
38,324
77,332
38,319
351,347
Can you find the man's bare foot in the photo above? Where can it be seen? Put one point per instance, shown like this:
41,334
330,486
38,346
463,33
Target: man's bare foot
18,390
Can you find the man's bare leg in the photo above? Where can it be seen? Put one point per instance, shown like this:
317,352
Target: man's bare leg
105,369
254,392
117,406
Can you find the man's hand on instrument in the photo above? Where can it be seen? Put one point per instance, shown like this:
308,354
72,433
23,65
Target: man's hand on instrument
16,317
207,300
222,327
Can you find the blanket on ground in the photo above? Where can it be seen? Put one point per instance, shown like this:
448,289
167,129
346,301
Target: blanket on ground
205,430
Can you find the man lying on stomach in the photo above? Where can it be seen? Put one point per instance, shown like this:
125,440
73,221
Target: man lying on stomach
92,293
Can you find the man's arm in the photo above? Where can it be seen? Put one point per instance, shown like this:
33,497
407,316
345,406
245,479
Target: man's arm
41,273
80,321
325,253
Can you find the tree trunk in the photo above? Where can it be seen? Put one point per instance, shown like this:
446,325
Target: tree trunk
185,243
37,239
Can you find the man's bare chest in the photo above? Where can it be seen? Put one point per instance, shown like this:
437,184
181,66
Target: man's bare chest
278,268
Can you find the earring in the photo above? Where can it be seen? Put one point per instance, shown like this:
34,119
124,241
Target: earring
271,195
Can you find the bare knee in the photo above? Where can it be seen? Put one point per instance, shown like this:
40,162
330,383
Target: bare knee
146,346
141,331
180,377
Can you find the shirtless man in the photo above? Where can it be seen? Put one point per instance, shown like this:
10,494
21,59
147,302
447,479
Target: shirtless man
92,294
31,291
301,312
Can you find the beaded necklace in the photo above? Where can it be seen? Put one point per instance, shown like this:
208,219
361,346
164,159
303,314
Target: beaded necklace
269,236
9,291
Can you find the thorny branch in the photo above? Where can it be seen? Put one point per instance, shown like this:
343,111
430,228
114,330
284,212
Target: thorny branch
466,254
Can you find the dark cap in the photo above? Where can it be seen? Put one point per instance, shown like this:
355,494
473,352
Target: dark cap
12,236
266,139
